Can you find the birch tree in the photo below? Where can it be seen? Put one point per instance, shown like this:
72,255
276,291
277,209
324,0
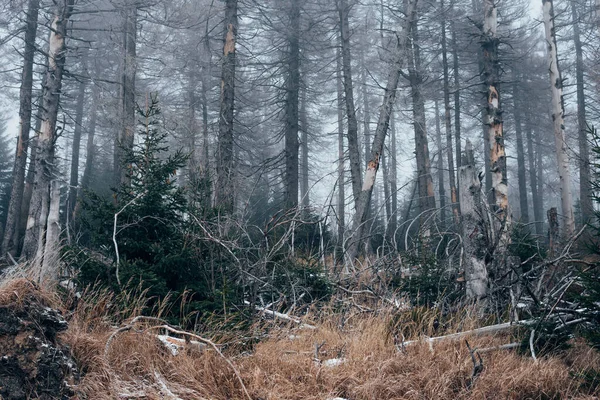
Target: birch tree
562,160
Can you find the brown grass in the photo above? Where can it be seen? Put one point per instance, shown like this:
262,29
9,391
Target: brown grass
283,366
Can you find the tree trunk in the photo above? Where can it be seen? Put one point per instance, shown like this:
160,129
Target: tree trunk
426,194
74,178
585,187
476,275
457,132
291,108
50,251
125,140
540,181
440,168
11,236
341,208
448,121
304,191
523,203
535,194
44,164
353,148
558,119
492,120
90,148
393,181
224,184
364,200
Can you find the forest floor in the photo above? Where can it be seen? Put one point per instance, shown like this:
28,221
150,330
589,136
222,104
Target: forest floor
341,357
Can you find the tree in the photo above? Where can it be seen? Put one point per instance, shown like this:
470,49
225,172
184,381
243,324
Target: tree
585,189
11,232
125,138
225,169
556,84
415,76
292,107
492,120
353,149
35,235
364,199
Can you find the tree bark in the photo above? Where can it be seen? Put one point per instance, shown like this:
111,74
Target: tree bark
291,108
457,133
585,187
341,205
353,147
44,164
74,178
440,168
523,203
492,120
304,189
364,200
90,148
476,275
224,198
124,143
426,194
11,232
558,120
448,121
535,194
393,222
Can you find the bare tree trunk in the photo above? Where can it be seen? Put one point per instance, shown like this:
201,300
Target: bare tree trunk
393,181
426,195
540,181
448,122
291,108
492,120
440,168
49,253
224,197
585,187
457,135
537,211
523,203
476,275
44,168
11,237
74,178
206,78
341,205
90,148
558,119
304,191
364,200
353,148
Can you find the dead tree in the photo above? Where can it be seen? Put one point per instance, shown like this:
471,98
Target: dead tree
364,199
224,183
473,228
562,160
11,232
35,234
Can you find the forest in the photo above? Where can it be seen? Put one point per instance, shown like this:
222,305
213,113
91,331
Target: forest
374,199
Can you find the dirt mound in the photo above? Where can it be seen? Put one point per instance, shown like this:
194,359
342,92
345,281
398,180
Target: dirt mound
34,364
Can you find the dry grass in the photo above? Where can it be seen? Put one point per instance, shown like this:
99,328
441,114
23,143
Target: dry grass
283,366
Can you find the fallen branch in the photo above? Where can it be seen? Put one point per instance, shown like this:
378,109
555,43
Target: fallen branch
283,316
476,332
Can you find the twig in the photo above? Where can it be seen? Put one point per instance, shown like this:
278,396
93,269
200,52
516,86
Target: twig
477,367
